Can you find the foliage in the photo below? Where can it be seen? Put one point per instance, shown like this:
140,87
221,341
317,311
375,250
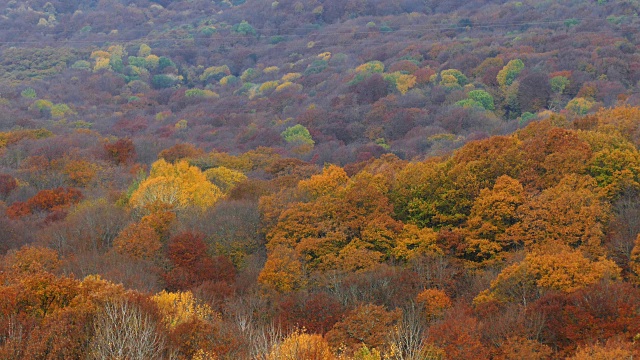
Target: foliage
228,80
634,261
28,93
201,93
144,50
192,265
46,201
579,106
32,260
224,178
163,81
81,172
452,78
181,307
121,151
434,302
267,86
371,67
290,77
493,212
302,346
179,152
469,103
280,201
24,63
414,242
15,136
244,28
138,240
560,269
483,97
249,74
283,271
366,324
510,72
316,67
297,134
609,351
559,84
215,72
178,185
7,184
402,82
571,212
521,348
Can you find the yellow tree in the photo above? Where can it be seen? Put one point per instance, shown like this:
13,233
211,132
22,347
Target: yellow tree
282,271
343,226
572,212
181,307
413,242
224,178
402,82
179,185
623,119
552,267
332,178
493,211
302,346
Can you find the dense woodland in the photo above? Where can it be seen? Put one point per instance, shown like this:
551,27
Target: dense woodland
319,179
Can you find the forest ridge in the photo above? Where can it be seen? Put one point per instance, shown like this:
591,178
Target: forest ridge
319,179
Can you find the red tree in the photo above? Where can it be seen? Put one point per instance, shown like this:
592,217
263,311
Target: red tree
192,265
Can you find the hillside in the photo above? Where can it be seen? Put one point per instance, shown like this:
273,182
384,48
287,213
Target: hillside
135,69
319,179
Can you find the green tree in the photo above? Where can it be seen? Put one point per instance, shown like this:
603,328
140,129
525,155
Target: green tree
559,83
28,93
580,106
510,72
484,98
452,78
144,50
244,28
297,134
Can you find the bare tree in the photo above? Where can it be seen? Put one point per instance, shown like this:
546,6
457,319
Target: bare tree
625,227
407,339
124,331
263,339
435,270
261,335
12,339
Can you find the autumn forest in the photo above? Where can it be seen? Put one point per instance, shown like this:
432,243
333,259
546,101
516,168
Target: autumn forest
319,179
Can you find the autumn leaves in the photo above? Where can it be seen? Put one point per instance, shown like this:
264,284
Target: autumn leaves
538,201
178,185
